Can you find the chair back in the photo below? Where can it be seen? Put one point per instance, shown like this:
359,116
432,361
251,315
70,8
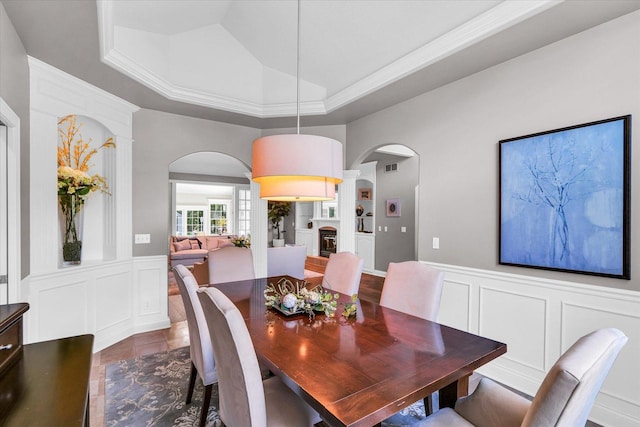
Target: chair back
229,264
569,390
202,354
286,261
242,397
413,288
343,273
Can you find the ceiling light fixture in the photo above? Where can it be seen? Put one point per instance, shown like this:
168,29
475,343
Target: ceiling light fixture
297,167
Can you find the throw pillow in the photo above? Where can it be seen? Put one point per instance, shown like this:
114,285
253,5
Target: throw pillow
212,243
223,243
182,245
194,243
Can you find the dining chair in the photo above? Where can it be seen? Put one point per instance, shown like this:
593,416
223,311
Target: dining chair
230,264
564,398
245,399
416,289
343,272
413,288
286,261
202,356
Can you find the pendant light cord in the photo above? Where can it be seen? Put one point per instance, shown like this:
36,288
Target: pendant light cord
298,73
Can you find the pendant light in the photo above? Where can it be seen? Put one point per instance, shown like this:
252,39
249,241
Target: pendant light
297,167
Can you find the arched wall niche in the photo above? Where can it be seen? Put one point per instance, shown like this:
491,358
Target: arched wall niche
99,210
397,174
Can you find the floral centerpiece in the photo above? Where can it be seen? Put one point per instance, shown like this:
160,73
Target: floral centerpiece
75,184
291,298
242,241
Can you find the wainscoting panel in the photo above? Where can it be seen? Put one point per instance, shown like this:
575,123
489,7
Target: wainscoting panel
62,309
539,319
111,291
521,319
455,305
111,300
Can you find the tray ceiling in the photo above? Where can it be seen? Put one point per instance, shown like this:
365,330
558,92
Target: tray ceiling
240,56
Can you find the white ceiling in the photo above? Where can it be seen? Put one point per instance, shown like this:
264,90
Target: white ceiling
240,56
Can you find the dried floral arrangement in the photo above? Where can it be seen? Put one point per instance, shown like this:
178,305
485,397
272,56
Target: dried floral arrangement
75,184
296,297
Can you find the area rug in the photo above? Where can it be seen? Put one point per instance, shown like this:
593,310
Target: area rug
151,391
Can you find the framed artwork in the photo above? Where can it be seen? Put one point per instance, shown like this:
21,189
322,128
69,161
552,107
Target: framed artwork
393,207
364,194
564,199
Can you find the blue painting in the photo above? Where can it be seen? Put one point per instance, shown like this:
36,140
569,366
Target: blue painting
564,199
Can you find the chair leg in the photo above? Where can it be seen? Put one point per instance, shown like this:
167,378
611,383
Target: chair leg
428,405
205,404
192,382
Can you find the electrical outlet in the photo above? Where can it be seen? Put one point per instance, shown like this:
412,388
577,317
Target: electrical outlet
142,239
403,229
436,243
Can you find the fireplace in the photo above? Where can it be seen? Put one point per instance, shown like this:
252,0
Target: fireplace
327,241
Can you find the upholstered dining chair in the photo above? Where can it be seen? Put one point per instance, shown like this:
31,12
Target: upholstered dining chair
202,356
229,264
245,399
343,273
413,288
286,261
564,398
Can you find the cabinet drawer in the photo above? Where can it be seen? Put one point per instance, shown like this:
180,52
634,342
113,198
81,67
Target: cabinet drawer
10,343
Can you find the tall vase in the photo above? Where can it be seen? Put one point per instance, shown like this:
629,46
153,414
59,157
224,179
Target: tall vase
71,221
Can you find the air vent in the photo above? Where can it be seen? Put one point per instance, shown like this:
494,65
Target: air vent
391,167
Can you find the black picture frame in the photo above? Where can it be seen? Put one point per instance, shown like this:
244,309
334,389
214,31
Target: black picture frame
564,199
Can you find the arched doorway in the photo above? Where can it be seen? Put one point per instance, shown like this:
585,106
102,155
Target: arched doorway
391,172
210,195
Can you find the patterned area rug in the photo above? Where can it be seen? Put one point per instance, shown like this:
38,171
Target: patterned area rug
151,391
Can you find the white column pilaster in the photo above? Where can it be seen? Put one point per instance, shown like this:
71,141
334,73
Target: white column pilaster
347,211
259,229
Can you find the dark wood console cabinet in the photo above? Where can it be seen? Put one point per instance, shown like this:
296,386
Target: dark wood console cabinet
46,383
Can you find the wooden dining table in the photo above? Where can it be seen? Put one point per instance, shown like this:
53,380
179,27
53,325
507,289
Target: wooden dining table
360,370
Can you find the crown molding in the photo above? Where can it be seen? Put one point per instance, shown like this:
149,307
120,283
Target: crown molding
506,14
502,16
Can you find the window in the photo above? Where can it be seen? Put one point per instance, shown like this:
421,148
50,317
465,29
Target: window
179,226
218,217
195,221
189,221
244,212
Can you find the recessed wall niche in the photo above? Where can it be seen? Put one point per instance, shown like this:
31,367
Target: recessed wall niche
99,210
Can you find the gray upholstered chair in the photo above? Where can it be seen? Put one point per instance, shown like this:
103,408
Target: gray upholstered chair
343,273
229,264
245,399
286,261
413,288
564,398
202,356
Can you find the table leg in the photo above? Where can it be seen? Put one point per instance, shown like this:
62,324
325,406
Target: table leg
449,394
